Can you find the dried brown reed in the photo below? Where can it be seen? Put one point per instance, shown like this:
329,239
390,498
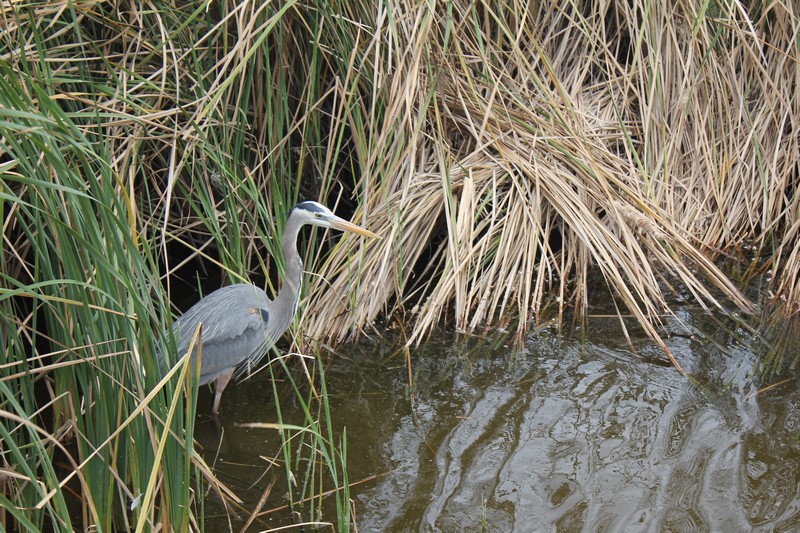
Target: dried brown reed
527,147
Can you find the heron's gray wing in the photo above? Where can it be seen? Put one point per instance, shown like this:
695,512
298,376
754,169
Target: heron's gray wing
235,328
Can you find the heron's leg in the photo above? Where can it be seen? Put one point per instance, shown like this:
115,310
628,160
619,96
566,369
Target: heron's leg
219,385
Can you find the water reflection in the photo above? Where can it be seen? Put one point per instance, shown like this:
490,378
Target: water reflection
562,435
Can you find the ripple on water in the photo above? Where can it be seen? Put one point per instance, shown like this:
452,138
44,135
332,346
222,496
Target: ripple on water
578,436
566,436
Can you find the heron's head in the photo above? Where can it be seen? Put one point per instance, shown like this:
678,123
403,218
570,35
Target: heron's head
318,215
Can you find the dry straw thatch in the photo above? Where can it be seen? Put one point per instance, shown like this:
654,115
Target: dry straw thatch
526,147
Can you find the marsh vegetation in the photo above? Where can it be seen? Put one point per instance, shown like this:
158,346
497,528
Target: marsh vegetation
512,155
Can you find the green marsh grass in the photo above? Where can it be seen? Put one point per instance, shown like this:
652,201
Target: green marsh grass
134,145
314,455
80,323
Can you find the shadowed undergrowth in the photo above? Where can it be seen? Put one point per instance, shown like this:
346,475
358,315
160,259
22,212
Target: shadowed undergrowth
509,154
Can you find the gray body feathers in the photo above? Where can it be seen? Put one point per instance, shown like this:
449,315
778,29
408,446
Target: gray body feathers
237,330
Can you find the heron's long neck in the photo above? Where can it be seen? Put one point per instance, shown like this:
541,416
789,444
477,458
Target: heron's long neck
289,293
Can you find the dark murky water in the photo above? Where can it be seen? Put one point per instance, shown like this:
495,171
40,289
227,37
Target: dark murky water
558,435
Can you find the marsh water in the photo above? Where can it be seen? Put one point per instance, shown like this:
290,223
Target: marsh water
563,432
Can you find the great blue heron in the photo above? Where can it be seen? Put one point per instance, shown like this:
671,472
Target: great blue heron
240,323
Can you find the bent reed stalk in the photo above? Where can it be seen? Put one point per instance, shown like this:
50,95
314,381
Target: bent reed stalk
522,150
509,154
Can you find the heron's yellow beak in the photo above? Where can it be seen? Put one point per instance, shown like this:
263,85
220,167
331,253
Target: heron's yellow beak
344,225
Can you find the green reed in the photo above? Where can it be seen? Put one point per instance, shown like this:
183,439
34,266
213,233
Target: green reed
128,141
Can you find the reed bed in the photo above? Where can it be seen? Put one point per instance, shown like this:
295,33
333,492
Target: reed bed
144,151
511,154
525,149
